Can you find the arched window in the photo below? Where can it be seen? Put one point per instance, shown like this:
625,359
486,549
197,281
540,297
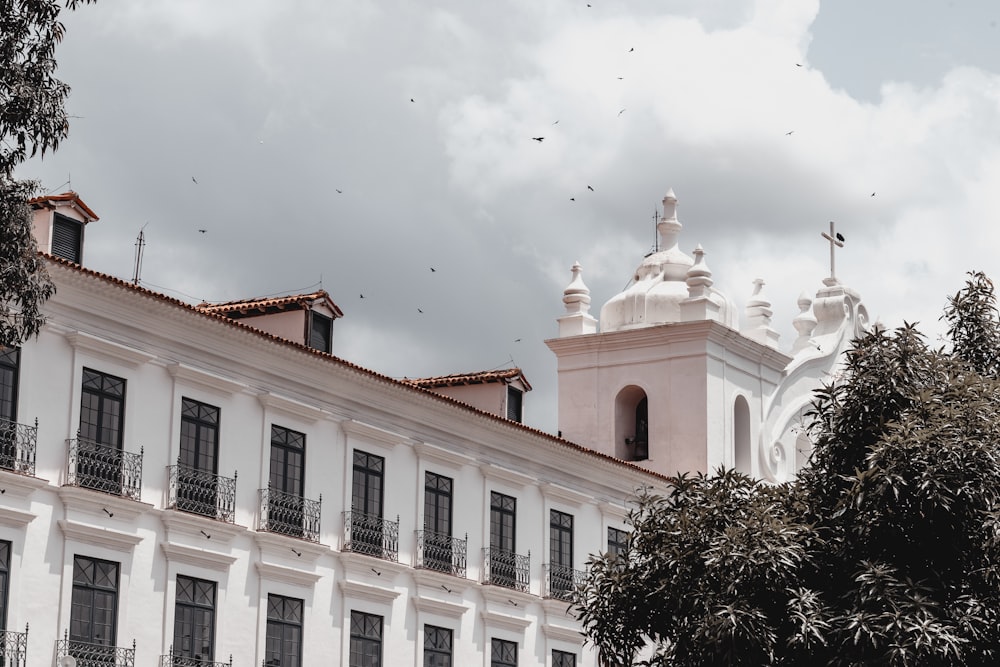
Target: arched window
632,424
741,435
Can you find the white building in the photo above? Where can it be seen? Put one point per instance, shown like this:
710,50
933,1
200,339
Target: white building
207,484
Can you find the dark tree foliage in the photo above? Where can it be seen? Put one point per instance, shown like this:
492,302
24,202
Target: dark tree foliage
33,121
884,551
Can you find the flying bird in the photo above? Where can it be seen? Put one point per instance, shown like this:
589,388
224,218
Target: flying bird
411,99
339,192
631,50
590,188
840,237
193,179
789,132
362,296
572,198
798,64
621,78
517,340
621,112
433,270
556,123
539,139
419,311
873,194
202,231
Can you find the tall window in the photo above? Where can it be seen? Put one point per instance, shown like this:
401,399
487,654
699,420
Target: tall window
94,611
284,632
4,582
366,640
102,408
561,579
560,538
642,430
194,619
320,332
9,362
102,418
563,659
437,647
503,653
67,238
503,561
367,532
197,486
437,522
288,452
617,538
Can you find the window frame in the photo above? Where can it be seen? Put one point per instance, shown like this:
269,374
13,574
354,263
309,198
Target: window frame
365,640
313,319
192,456
498,529
501,644
282,623
362,476
10,362
72,226
617,540
104,396
94,589
6,547
194,606
515,404
283,441
434,651
560,537
559,658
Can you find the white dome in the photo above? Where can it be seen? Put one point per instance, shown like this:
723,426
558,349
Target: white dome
660,284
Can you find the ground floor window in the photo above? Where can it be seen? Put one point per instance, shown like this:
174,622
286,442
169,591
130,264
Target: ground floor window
366,640
503,653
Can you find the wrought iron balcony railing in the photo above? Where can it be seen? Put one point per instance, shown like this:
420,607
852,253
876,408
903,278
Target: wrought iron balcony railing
171,660
288,514
17,447
562,582
104,468
14,648
441,552
371,535
200,492
506,568
95,655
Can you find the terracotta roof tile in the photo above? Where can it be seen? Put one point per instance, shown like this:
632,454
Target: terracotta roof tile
40,202
481,377
244,307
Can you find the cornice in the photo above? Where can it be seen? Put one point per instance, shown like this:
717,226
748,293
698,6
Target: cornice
199,527
365,591
104,348
441,455
20,486
283,547
101,505
288,575
98,536
374,433
204,379
199,557
435,605
290,406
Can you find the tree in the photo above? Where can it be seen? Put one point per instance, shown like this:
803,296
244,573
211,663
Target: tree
33,121
884,551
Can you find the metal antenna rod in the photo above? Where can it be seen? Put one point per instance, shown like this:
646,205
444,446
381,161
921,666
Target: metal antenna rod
140,244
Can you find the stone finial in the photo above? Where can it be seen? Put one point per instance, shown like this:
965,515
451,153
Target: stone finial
699,276
669,227
576,296
577,321
759,312
804,323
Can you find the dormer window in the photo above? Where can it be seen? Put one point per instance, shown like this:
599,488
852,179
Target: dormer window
67,238
320,332
515,401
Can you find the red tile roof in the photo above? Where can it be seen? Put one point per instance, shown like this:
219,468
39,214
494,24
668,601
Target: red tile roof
43,201
262,305
118,282
481,377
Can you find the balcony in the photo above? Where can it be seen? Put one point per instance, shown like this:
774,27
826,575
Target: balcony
14,648
95,655
288,514
371,535
103,468
562,582
171,660
441,552
200,492
17,447
506,568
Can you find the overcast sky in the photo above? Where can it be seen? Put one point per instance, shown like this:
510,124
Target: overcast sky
362,142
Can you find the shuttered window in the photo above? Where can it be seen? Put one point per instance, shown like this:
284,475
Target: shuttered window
67,238
514,400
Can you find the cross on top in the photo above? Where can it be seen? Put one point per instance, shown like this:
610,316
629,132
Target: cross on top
836,241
